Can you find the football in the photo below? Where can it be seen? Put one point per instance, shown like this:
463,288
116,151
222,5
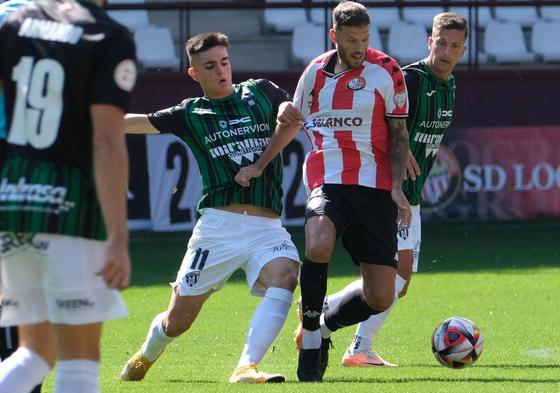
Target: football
457,343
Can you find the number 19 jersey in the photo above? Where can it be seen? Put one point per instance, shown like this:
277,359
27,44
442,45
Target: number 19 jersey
57,58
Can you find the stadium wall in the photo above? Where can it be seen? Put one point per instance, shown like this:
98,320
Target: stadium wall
500,159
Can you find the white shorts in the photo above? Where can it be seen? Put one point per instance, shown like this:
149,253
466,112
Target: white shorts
223,242
47,277
411,238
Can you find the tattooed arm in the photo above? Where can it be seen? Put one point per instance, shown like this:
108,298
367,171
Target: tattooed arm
398,152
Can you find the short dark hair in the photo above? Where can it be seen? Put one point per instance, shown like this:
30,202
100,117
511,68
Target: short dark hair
204,41
450,21
350,13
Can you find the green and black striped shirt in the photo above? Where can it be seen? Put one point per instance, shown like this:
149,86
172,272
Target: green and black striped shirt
53,71
431,102
227,134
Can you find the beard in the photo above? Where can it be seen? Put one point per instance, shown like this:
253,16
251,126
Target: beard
349,61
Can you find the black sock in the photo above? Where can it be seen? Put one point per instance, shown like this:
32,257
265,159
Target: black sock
351,310
8,341
313,284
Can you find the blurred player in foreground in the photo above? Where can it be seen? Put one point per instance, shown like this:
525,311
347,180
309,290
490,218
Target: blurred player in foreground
9,338
67,72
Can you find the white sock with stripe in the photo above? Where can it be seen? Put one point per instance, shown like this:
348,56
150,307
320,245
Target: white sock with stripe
77,375
367,330
267,321
156,340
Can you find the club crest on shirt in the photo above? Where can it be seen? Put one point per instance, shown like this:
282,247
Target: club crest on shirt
444,183
191,278
400,99
125,75
356,83
402,232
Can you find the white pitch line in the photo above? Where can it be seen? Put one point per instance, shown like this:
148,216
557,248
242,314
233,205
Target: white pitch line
545,353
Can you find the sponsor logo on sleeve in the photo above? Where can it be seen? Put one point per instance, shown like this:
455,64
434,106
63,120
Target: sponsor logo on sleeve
125,75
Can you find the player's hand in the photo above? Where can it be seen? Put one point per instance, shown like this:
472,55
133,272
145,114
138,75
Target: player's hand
288,115
412,168
404,218
116,270
247,173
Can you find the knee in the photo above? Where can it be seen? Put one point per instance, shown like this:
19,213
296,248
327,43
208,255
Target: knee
379,299
289,281
318,250
286,277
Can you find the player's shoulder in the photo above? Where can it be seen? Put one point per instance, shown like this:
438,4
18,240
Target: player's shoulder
381,59
263,84
322,59
9,8
190,101
418,68
319,62
108,26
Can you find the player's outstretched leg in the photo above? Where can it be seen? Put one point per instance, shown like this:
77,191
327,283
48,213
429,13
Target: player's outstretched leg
279,276
137,366
165,327
267,321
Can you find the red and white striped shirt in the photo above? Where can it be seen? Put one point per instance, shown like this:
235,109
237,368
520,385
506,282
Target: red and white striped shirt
345,120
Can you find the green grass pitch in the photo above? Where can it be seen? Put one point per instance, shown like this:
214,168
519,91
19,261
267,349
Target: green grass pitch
503,276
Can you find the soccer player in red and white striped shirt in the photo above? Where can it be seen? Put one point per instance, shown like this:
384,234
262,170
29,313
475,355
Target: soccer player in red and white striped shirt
353,104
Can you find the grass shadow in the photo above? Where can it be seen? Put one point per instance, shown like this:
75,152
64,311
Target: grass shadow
403,380
446,247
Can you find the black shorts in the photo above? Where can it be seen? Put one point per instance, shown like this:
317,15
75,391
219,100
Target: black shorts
365,217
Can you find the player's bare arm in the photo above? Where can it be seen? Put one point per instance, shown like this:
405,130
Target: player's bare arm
412,168
398,153
110,160
138,123
288,125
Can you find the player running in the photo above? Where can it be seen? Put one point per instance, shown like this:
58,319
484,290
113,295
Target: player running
431,92
238,227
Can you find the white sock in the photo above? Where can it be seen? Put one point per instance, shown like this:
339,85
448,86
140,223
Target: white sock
325,331
335,298
22,371
156,340
311,339
267,321
77,375
368,329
